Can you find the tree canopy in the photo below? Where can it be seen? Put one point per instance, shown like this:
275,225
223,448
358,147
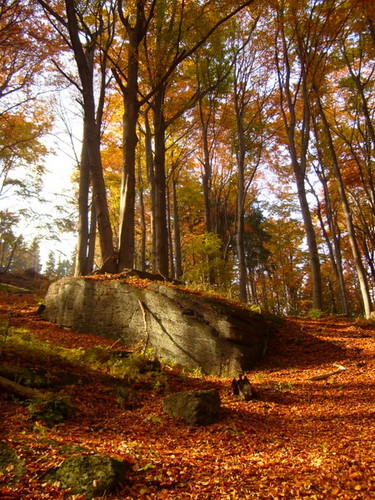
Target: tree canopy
228,144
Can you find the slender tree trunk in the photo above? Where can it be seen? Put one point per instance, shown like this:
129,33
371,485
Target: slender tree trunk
151,180
240,237
177,234
207,170
81,267
127,203
84,59
99,194
206,182
298,133
130,140
142,256
333,241
240,240
160,208
136,34
92,241
361,273
170,235
11,255
334,253
317,298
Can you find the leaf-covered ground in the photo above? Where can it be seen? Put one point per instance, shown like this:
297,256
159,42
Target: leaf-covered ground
300,438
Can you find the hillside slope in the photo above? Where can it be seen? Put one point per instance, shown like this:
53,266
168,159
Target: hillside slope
300,438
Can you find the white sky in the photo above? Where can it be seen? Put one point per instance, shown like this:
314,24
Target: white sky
58,188
59,164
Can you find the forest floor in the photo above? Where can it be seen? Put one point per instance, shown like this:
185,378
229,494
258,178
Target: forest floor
300,438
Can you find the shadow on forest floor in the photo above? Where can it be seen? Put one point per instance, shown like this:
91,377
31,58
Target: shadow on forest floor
302,344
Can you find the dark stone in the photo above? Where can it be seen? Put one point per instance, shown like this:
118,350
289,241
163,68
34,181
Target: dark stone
89,475
242,388
196,332
194,407
41,308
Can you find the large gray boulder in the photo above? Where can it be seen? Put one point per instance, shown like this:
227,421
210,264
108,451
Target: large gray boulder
193,331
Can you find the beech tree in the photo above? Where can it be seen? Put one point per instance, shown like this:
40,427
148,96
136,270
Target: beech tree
23,118
81,37
250,96
163,56
295,58
194,83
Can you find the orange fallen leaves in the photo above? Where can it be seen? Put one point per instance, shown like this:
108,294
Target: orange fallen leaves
301,438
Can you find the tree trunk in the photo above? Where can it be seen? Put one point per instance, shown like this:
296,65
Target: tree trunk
332,240
142,256
81,267
292,97
160,207
361,273
91,131
92,241
240,239
151,181
170,235
136,34
207,170
99,190
317,298
20,391
177,234
127,203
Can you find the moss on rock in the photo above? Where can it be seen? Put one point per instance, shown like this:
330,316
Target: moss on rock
89,475
10,465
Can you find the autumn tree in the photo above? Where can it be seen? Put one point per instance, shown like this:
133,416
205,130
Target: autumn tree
166,32
250,96
23,114
79,25
295,57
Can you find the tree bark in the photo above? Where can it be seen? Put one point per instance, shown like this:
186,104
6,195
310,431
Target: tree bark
136,34
361,273
21,391
207,169
240,238
81,267
298,140
142,215
177,233
332,240
160,208
84,58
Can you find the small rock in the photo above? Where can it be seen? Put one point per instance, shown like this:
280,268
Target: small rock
194,407
89,475
242,388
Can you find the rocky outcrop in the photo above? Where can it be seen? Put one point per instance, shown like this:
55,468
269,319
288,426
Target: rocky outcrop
188,329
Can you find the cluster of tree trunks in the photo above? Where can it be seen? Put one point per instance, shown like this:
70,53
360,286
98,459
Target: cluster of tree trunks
305,36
